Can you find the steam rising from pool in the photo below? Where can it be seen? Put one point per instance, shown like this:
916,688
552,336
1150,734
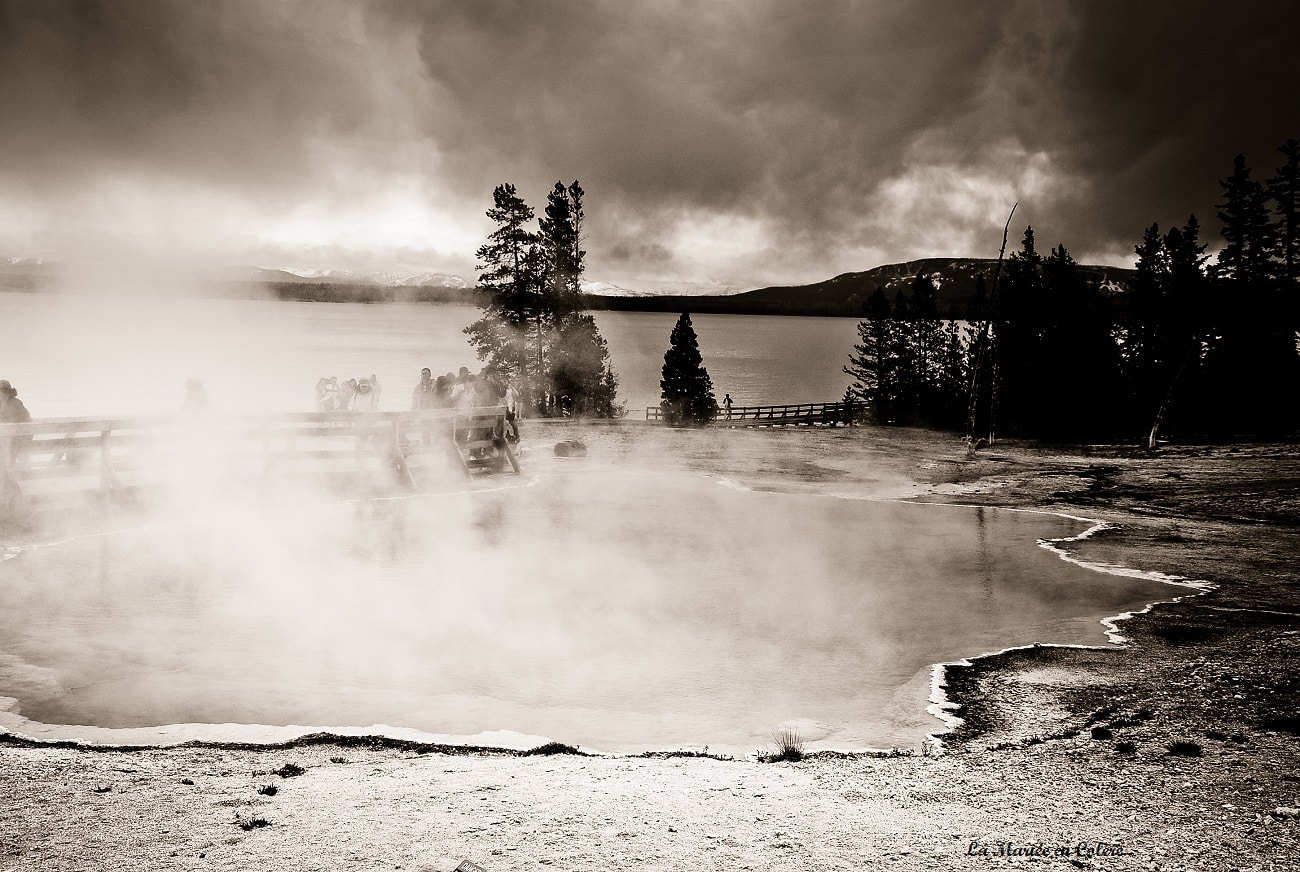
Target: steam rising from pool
622,607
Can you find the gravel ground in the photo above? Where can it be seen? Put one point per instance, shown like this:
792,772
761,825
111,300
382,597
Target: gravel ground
1064,752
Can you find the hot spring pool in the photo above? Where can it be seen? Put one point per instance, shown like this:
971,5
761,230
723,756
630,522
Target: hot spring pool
620,610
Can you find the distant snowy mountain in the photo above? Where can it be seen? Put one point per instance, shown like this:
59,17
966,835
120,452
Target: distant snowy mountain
609,289
387,279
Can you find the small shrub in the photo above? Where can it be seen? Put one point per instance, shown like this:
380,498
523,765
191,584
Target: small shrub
268,790
187,781
289,770
1285,724
1183,748
789,746
1102,733
252,823
1125,748
551,748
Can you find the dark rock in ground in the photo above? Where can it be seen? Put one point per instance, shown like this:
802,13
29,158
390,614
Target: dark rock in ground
571,448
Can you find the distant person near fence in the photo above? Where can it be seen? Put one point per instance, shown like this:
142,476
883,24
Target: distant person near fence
12,411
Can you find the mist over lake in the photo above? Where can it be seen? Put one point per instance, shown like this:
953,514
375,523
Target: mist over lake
80,354
672,589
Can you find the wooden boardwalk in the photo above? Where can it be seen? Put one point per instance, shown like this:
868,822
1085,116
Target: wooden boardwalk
827,414
53,456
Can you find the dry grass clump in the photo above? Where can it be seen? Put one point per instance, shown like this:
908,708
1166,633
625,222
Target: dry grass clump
789,746
1184,748
251,823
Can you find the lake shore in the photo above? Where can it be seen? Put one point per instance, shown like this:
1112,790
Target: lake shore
1022,775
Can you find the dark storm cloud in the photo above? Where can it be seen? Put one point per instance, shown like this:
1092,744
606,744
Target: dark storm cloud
1157,98
222,90
790,113
743,142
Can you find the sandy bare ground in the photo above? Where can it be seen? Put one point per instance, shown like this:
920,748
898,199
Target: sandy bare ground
1217,671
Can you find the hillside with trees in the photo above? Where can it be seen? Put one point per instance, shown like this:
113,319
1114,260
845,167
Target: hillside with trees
957,282
1192,350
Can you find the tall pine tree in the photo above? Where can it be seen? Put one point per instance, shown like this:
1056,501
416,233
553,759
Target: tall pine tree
510,295
687,390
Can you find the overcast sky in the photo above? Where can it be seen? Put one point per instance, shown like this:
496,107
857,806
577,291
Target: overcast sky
721,144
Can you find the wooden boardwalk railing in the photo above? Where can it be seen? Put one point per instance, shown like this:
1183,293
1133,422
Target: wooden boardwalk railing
105,454
831,414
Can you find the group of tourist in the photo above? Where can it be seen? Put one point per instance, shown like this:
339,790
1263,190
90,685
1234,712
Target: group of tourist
465,390
454,390
353,395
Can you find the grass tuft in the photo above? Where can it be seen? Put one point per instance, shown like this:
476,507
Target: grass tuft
1102,733
268,790
252,823
789,747
289,770
1184,748
1125,748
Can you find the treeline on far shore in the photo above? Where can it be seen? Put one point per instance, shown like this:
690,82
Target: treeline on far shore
1194,349
366,292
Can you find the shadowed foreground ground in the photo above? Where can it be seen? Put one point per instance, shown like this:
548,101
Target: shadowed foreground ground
1218,671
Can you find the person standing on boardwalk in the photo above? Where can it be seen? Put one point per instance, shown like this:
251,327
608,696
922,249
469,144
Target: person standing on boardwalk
12,411
512,409
726,405
425,394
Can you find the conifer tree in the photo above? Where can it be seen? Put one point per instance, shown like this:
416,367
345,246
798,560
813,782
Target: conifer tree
1248,230
510,291
1252,350
1284,190
687,390
534,329
1018,336
580,376
872,363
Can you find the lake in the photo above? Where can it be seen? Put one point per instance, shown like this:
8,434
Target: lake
74,354
673,589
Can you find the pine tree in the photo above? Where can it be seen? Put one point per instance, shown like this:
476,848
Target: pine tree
1141,346
928,348
534,329
581,378
687,390
1284,190
1179,323
872,363
510,289
1252,350
1018,335
1248,231
561,238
